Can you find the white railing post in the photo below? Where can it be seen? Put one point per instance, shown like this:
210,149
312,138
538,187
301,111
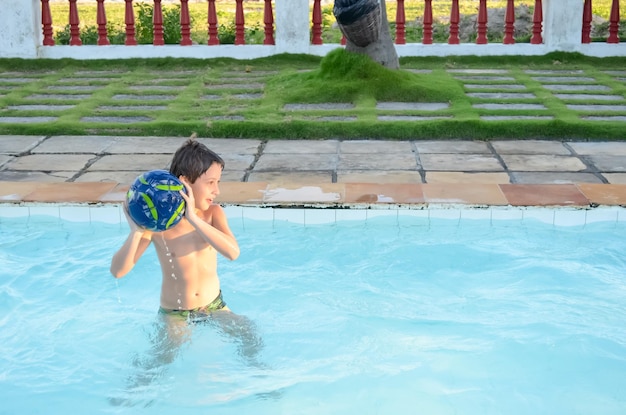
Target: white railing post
292,26
21,29
563,24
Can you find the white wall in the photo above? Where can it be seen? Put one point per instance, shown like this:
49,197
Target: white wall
20,23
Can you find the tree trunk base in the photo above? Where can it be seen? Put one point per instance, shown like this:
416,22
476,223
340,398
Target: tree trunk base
382,50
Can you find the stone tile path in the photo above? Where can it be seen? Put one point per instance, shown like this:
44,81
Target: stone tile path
121,159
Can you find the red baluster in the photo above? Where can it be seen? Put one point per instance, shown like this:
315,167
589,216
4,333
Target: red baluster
185,24
239,24
537,38
268,19
614,23
453,39
400,23
587,15
509,23
157,24
101,20
129,19
317,23
212,20
74,25
428,23
46,22
481,39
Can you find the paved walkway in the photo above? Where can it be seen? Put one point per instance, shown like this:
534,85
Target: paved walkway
99,168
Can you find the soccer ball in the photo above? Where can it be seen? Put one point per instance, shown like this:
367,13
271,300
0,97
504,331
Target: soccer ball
154,202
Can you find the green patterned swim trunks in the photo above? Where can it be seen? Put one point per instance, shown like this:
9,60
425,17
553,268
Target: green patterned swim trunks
199,312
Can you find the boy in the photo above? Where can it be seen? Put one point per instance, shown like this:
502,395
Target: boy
187,252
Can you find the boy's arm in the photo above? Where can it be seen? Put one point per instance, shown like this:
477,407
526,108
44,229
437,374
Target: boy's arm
217,233
135,245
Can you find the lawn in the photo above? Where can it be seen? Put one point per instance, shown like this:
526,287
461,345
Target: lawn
235,98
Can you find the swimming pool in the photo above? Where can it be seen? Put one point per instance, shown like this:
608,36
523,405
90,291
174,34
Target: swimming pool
473,311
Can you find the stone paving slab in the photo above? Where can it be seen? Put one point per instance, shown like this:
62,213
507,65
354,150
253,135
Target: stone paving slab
36,176
515,117
144,97
507,87
293,177
26,120
463,162
64,97
373,161
301,147
134,162
303,162
5,159
144,145
410,118
596,107
452,147
616,118
575,87
609,148
252,86
542,162
74,144
333,118
553,71
530,147
378,176
125,177
17,144
501,95
590,97
375,147
485,78
479,71
51,162
111,119
40,107
499,107
615,178
609,163
73,87
412,106
132,107
318,107
554,177
466,177
546,79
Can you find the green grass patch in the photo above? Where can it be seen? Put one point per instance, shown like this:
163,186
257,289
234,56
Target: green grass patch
340,77
348,77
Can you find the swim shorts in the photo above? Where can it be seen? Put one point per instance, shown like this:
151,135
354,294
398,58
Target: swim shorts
199,312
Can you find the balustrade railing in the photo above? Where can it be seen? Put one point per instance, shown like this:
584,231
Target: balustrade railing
298,26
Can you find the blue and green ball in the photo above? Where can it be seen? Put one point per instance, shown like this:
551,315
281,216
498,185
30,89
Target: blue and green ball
154,201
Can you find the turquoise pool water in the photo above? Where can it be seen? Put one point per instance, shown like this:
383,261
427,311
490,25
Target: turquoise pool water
391,315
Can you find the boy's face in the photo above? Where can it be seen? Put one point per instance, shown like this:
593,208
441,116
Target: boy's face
206,187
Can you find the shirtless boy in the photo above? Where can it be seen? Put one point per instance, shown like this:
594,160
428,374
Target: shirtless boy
187,252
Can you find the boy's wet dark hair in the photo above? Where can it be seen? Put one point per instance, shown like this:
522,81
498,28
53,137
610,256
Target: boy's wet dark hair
193,159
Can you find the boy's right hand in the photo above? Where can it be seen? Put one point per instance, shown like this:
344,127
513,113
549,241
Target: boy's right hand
131,223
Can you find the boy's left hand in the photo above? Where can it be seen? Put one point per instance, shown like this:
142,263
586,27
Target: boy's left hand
190,201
